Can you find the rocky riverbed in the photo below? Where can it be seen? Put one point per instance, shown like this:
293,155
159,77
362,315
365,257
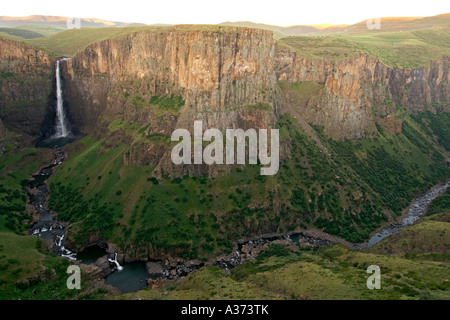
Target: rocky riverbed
46,225
413,213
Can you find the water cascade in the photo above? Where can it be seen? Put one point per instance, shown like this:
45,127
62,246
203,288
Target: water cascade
119,267
62,130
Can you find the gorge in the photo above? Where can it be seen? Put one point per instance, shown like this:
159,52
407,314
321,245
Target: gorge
358,140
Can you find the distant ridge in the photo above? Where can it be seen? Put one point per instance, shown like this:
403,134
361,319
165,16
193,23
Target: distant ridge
387,24
60,22
47,25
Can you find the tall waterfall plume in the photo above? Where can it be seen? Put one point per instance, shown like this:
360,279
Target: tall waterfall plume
62,129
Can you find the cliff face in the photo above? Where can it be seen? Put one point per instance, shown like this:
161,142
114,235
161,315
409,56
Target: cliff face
229,78
358,92
26,79
170,78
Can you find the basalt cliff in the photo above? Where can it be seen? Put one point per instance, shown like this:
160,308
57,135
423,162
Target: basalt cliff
358,93
26,88
227,77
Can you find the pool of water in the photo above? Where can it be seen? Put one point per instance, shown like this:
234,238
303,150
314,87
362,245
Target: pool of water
132,277
55,142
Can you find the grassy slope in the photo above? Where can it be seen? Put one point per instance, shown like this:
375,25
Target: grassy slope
16,165
70,41
17,33
27,273
329,273
44,30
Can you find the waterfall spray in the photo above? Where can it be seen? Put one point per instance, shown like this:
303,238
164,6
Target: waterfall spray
61,123
119,267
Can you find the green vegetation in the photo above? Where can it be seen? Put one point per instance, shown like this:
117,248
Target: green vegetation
29,274
209,283
428,236
348,195
404,49
26,272
395,176
21,33
15,168
160,105
172,104
428,239
440,204
301,273
41,29
70,41
322,47
435,124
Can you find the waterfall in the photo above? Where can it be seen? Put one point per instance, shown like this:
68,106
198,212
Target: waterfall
62,250
61,123
119,267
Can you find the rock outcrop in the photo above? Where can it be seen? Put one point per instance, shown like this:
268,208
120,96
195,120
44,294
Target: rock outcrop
357,92
26,79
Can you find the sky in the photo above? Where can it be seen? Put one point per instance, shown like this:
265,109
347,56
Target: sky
276,12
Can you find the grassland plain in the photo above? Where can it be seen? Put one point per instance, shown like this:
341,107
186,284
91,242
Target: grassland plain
406,50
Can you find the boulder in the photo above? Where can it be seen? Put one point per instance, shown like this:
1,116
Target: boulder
105,265
155,269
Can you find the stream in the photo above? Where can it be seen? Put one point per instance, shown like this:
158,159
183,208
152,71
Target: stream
47,227
134,275
415,210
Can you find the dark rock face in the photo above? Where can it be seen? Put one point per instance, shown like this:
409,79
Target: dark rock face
105,266
26,81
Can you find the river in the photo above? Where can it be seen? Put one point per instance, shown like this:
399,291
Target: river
413,213
133,276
